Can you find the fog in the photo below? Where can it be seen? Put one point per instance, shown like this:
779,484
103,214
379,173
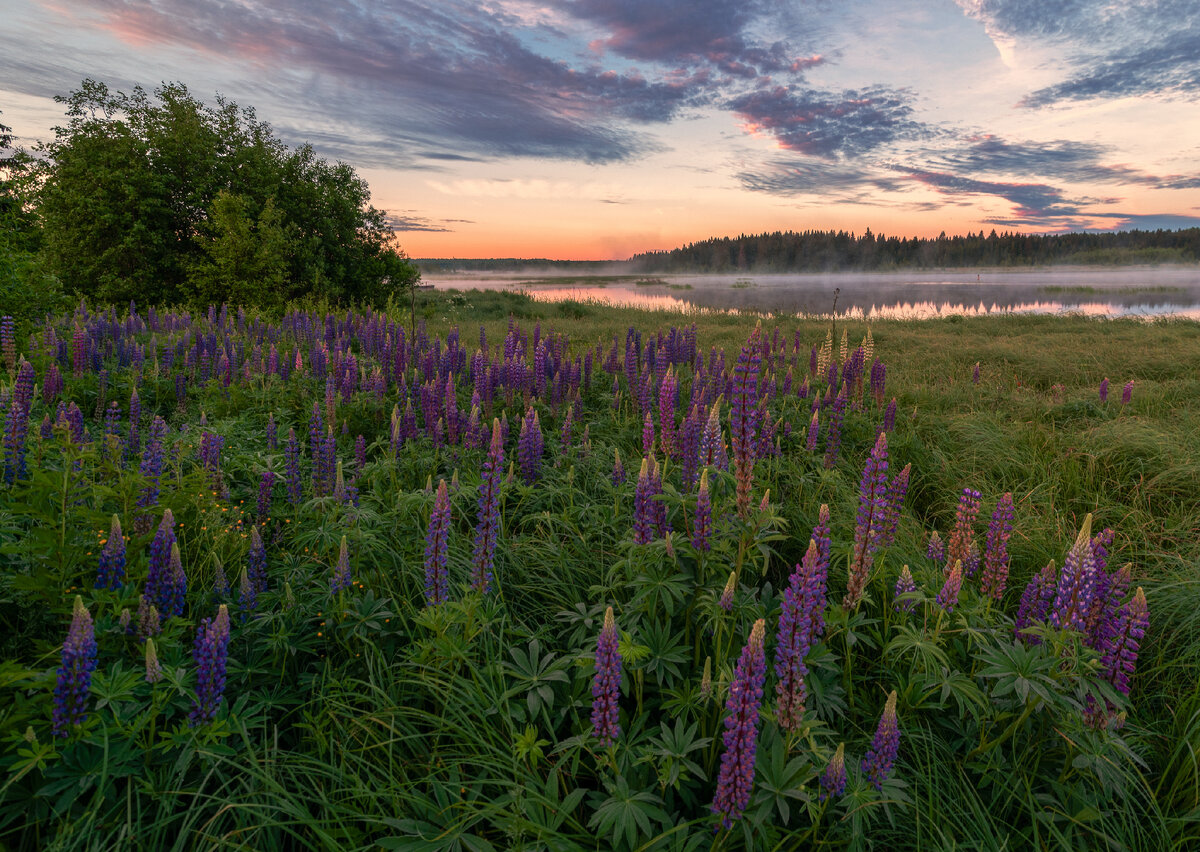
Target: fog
1160,291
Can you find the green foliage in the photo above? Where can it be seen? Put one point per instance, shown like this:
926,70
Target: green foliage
163,199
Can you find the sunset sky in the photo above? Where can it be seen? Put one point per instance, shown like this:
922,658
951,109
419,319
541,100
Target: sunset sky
598,128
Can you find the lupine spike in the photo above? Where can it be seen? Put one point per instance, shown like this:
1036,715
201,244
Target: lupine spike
74,681
154,672
872,521
833,779
736,779
210,653
800,622
947,598
995,559
341,580
726,599
878,763
904,585
702,525
606,685
111,573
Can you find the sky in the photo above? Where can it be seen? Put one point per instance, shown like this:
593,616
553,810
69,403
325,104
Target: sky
595,129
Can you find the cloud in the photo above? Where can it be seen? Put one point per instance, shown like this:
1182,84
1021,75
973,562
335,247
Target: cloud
409,222
1035,204
1109,49
437,71
828,179
847,124
1080,162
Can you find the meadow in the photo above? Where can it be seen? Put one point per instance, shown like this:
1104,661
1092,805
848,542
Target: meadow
509,574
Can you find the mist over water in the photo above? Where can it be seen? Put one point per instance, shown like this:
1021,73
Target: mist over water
1146,292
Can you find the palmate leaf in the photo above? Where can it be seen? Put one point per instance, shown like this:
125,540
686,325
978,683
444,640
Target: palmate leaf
1019,671
780,781
672,748
627,815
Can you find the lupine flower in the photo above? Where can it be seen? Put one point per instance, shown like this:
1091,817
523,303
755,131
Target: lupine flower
158,577
341,580
256,560
833,779
173,596
712,442
1104,389
263,506
151,470
149,624
125,620
736,779
897,491
801,620
1121,656
1076,583
814,428
995,557
643,506
1035,604
75,674
878,762
530,446
667,399
606,685
487,530
154,672
833,431
295,486
889,418
962,534
8,345
340,494
210,652
16,429
971,563
947,598
878,380
872,521
111,573
936,550
437,585
1127,393
743,419
220,581
647,435
247,596
726,599
702,524
904,585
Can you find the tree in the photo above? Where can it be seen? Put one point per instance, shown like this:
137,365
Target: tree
161,198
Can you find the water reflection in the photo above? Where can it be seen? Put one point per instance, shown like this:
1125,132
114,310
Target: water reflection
1171,291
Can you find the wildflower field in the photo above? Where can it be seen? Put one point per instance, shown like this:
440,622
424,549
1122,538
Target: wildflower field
513,575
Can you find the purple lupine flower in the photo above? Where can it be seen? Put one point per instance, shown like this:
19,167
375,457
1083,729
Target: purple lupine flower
947,598
878,380
125,620
995,557
272,430
210,653
647,435
1121,656
75,674
904,585
725,601
643,506
606,685
618,471
889,418
23,387
133,443
16,429
1127,393
256,561
52,385
833,779
1076,583
437,584
962,535
702,523
295,485
1104,389
487,529
803,605
111,573
8,342
897,491
530,447
668,393
814,427
833,431
971,563
158,577
148,622
340,492
247,596
871,524
936,550
1035,604
878,762
174,594
220,581
341,579
154,672
743,417
262,506
736,779
151,470
712,442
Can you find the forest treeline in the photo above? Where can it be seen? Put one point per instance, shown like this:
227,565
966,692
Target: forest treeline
827,251
159,198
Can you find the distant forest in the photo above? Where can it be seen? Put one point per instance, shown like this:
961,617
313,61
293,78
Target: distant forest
821,251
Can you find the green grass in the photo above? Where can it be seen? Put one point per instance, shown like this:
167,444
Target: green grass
371,721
